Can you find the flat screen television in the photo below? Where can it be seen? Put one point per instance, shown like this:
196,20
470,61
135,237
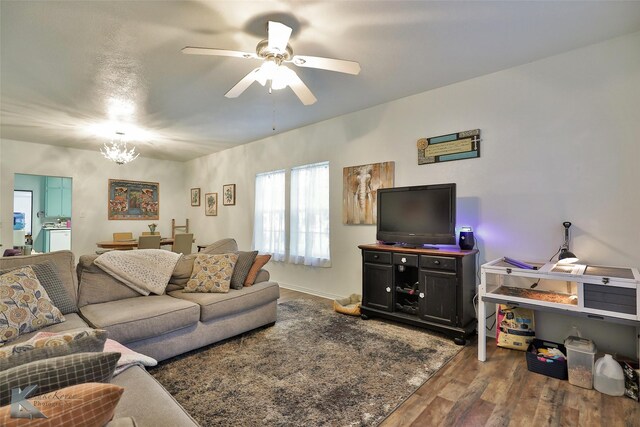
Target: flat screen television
418,215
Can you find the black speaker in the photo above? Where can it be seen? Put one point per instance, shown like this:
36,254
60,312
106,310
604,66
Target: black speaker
466,241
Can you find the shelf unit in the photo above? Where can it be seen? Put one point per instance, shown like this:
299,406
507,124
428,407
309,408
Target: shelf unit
598,292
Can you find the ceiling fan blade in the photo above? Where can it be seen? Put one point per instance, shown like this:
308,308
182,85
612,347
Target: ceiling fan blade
339,65
278,36
301,89
242,85
217,52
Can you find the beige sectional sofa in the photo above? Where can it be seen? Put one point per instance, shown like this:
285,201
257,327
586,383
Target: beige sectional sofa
160,326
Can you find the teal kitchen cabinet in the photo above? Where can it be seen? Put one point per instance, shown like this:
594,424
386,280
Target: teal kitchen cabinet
57,197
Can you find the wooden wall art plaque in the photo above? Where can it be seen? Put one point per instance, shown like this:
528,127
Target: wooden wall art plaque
454,146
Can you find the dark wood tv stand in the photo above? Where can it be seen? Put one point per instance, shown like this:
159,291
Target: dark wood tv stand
429,288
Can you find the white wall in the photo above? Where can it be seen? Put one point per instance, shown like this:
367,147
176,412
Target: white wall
90,173
559,143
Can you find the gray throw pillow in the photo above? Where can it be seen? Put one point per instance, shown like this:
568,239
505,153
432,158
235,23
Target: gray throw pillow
51,282
241,270
83,340
59,372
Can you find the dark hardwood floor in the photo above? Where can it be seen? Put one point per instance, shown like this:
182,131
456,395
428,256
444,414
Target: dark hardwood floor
500,392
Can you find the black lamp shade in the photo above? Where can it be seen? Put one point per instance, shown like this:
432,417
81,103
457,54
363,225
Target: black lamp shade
567,257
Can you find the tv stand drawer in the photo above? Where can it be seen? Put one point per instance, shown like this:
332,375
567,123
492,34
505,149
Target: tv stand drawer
437,262
377,257
405,259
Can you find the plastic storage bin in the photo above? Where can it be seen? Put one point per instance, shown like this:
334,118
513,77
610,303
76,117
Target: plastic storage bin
608,377
551,367
580,356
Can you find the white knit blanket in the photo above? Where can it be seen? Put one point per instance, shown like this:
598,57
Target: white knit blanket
144,270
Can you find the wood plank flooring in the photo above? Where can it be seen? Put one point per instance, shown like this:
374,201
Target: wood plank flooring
501,392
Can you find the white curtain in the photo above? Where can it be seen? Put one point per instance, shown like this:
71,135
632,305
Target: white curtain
268,227
309,215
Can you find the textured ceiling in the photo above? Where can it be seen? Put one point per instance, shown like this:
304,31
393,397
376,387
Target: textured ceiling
63,63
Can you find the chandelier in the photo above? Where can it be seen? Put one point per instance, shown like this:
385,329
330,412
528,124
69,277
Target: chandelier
117,151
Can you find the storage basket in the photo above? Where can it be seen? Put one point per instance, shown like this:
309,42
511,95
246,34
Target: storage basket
349,305
550,367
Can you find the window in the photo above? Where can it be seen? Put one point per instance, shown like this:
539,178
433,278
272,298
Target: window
269,228
309,215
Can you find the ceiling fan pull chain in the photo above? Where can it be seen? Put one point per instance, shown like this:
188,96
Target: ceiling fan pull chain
273,124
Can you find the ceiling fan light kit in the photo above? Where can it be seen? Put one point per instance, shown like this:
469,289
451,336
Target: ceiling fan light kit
275,51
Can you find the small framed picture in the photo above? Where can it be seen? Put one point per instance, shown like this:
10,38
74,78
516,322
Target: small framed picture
211,204
195,197
229,194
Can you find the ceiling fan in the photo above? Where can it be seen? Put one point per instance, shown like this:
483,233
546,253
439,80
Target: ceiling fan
275,52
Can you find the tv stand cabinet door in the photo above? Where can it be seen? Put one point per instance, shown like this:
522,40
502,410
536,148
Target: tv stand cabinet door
438,297
377,286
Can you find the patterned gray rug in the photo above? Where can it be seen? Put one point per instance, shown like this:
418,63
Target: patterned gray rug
314,367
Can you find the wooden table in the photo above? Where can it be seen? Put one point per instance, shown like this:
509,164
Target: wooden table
129,244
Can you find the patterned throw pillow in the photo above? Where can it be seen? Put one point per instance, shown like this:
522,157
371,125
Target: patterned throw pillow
245,261
211,273
51,282
90,404
58,372
260,262
45,345
25,305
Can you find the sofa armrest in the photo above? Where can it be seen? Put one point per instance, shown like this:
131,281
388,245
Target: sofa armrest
263,276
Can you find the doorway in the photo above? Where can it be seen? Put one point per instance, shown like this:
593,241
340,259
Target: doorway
47,221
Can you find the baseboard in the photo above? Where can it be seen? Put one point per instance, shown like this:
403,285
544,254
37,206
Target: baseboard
309,291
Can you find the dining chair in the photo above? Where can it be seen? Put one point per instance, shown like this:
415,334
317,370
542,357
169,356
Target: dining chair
149,233
182,243
149,242
120,237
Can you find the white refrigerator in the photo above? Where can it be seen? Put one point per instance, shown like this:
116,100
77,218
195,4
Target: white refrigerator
58,240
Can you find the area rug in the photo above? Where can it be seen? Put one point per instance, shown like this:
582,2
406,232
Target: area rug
313,367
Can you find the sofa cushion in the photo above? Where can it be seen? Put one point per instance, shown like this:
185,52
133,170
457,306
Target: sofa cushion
221,246
182,272
214,306
50,280
25,305
46,345
212,273
138,318
240,271
96,286
72,321
63,261
58,372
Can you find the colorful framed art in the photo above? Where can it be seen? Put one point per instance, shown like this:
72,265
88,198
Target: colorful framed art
133,200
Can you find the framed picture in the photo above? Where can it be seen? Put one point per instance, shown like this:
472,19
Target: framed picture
195,197
211,204
229,194
133,200
360,191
